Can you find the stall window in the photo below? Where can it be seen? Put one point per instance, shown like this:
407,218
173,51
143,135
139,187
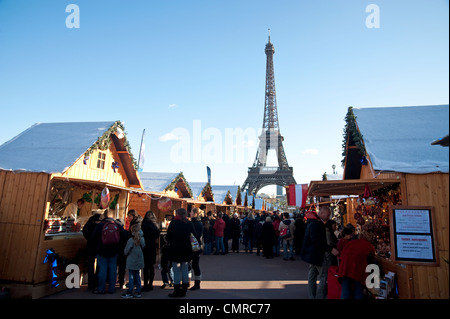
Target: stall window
101,160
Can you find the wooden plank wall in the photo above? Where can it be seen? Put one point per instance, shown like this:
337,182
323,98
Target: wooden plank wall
431,190
90,171
22,207
140,203
427,190
65,247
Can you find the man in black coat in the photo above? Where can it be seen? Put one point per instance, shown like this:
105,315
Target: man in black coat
198,226
91,248
313,252
180,250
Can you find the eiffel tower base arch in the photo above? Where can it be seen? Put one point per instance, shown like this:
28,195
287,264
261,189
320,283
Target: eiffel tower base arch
259,177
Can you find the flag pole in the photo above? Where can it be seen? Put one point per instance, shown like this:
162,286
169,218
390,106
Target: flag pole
140,149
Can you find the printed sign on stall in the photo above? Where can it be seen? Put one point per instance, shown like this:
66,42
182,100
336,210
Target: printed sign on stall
412,235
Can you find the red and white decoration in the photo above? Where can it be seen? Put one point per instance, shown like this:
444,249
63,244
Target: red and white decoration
296,194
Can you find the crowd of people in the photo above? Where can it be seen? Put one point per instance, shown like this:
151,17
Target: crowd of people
312,237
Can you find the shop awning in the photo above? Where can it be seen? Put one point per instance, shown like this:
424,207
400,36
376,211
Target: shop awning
99,184
347,186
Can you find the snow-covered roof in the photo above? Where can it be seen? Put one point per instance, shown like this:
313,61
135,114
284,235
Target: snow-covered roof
197,188
399,138
50,147
220,192
156,182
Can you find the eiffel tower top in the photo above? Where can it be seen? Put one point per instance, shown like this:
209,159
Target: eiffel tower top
269,46
270,121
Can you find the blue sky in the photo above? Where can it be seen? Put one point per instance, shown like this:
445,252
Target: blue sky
162,65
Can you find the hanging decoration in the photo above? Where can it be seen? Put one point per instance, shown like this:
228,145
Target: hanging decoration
372,215
51,257
363,161
114,166
61,262
104,198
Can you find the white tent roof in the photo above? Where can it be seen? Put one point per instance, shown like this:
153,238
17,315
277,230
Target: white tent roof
220,192
399,138
197,188
50,147
156,182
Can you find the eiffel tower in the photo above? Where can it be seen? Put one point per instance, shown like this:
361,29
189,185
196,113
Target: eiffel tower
260,175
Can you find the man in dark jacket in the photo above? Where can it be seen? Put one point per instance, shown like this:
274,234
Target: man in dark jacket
198,226
313,252
91,248
107,253
180,250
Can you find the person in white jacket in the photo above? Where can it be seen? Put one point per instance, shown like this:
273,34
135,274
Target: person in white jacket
135,261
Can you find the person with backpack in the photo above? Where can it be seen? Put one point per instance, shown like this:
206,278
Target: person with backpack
276,226
135,261
287,228
107,236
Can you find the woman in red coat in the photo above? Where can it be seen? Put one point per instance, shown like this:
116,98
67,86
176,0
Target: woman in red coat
352,268
219,228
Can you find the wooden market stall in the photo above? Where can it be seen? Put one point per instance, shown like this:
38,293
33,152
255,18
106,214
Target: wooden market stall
43,172
163,194
225,197
203,197
390,162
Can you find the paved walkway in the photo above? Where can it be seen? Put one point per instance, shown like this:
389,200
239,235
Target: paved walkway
231,276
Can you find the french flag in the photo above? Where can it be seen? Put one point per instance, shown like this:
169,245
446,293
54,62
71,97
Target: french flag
296,194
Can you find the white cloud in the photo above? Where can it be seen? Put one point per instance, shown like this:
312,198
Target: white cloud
310,151
169,137
171,106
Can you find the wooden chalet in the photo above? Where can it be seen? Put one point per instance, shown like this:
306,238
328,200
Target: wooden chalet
391,164
203,197
42,171
225,197
158,188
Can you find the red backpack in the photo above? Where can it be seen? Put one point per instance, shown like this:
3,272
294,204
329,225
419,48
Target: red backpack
110,233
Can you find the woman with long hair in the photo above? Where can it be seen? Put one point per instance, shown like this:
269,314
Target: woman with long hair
151,232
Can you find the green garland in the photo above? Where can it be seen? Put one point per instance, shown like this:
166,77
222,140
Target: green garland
351,131
113,203
171,186
104,142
